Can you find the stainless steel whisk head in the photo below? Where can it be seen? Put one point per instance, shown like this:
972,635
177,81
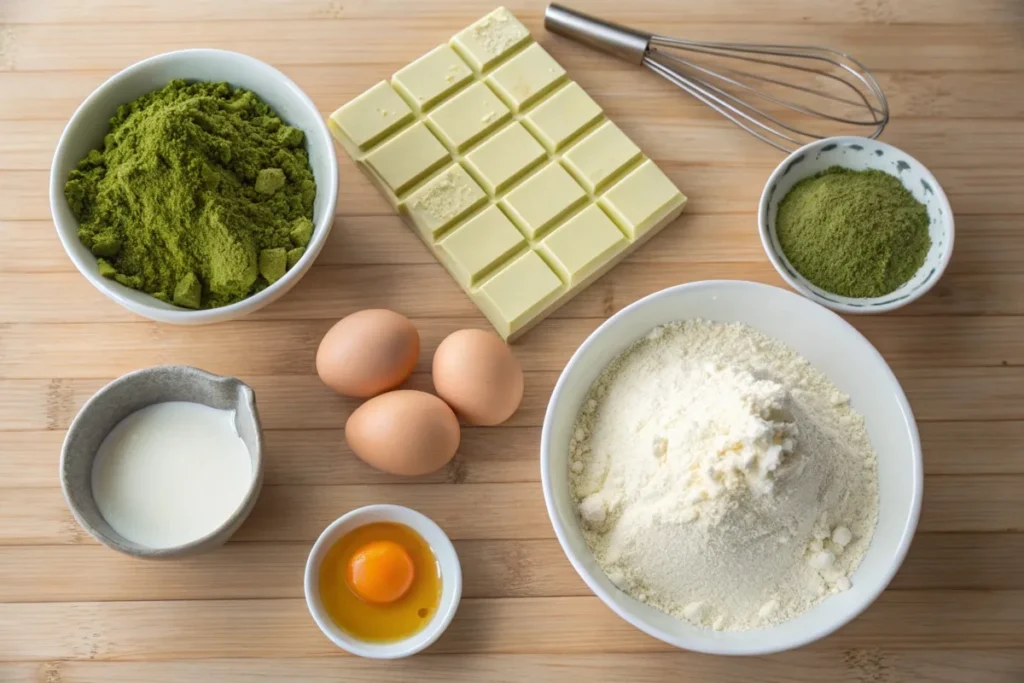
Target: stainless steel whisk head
782,94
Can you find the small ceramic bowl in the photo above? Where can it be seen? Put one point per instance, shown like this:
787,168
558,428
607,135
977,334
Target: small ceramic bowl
91,122
135,391
859,154
447,560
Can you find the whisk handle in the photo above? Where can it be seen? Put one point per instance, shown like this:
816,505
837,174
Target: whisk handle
623,42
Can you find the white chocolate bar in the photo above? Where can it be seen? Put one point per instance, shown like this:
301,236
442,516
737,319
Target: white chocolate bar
507,170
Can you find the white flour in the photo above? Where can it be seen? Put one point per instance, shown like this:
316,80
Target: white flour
722,479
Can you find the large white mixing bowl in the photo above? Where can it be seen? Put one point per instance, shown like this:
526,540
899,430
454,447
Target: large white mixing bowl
833,346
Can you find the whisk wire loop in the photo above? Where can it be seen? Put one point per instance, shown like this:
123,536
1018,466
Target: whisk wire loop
759,103
832,57
733,112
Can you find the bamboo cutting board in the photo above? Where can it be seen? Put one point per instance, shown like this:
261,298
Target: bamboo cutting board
72,611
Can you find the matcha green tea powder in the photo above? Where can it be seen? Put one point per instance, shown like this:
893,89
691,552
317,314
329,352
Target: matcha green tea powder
200,195
853,233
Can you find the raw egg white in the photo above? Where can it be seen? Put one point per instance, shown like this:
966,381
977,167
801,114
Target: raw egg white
477,375
404,432
368,352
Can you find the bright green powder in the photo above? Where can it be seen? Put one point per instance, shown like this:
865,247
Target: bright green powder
200,196
853,233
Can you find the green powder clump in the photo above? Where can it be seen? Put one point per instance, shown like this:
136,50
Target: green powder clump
196,196
853,233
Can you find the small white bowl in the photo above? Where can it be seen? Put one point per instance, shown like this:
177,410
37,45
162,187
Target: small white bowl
447,560
91,122
830,344
859,154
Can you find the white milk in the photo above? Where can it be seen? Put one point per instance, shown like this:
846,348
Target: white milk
171,473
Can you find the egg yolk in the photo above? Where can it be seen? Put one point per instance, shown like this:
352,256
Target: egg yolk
380,572
380,582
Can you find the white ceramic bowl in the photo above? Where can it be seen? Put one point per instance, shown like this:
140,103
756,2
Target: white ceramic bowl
90,123
447,560
859,154
833,346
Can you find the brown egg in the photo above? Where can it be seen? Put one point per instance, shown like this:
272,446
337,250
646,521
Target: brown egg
404,432
476,373
368,352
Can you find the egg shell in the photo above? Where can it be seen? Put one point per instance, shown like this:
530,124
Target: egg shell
368,353
404,432
476,373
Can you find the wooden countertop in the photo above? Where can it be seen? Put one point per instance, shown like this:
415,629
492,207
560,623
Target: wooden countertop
73,612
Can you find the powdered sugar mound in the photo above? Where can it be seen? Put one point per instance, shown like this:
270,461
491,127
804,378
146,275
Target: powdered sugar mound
722,479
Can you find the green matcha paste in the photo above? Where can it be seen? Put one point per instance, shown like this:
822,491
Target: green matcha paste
853,233
200,195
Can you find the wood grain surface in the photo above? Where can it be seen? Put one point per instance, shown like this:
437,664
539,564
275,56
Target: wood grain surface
73,612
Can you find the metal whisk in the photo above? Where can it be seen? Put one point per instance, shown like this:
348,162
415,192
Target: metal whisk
781,96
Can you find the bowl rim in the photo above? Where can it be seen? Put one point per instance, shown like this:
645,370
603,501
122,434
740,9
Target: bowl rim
709,647
776,259
239,308
444,552
213,538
